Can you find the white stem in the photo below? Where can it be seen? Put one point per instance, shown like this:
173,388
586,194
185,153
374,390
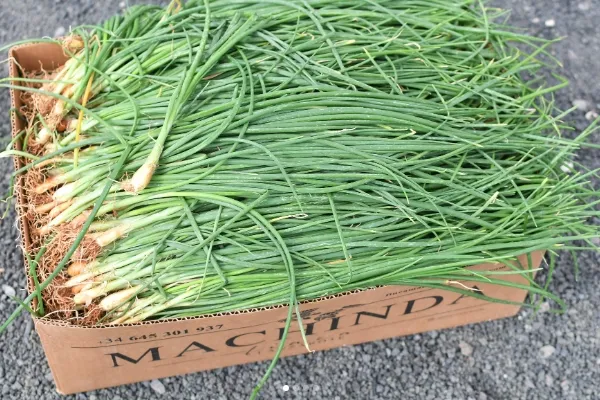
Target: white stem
50,147
113,234
44,208
80,219
60,207
50,183
44,136
114,300
141,178
81,288
139,305
65,193
82,277
76,268
87,296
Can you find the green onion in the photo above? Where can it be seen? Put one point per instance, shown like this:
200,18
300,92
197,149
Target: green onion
242,154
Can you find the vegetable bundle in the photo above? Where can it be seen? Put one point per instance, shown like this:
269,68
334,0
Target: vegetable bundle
233,154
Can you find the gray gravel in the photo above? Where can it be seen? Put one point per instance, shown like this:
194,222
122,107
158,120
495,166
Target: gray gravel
543,356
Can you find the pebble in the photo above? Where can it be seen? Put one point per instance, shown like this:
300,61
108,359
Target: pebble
529,383
465,348
157,386
591,115
545,306
482,396
550,23
9,291
584,6
581,104
547,351
536,20
60,31
549,380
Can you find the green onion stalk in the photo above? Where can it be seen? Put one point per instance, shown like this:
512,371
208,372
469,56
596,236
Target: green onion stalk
228,155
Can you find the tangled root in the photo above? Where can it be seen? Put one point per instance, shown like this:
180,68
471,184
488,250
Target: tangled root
58,298
91,315
33,178
35,148
27,109
42,103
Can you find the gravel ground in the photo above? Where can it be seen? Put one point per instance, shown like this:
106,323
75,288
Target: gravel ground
543,356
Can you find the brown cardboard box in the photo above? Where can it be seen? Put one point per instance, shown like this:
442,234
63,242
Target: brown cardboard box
84,359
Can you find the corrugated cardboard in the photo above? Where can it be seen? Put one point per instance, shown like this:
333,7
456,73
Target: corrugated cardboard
83,359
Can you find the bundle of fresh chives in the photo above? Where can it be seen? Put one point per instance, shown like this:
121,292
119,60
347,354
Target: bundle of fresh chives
237,154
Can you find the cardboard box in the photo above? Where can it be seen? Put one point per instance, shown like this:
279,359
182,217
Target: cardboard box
83,358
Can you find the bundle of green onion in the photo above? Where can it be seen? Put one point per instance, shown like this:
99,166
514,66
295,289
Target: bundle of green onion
232,154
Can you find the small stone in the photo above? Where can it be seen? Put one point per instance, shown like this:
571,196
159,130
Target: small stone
465,348
60,31
581,104
564,385
536,20
92,397
545,306
550,23
584,6
123,4
157,386
9,291
482,396
549,380
547,351
591,115
528,383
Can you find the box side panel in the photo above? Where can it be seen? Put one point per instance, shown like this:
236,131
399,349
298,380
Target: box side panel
113,356
39,56
32,57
